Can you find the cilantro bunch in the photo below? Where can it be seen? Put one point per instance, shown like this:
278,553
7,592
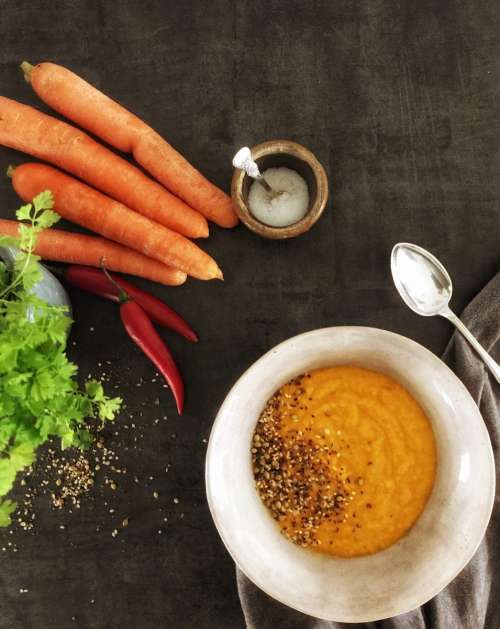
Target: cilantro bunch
39,396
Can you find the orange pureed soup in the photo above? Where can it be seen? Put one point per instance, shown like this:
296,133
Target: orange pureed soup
345,460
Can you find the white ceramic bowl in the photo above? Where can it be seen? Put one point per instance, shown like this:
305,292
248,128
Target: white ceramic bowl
423,562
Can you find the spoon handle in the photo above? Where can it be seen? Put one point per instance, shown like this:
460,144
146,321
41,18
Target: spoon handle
492,364
265,184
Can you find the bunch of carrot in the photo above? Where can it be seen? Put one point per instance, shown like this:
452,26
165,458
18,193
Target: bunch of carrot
146,223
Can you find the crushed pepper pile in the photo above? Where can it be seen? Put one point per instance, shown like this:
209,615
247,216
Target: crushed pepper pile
294,475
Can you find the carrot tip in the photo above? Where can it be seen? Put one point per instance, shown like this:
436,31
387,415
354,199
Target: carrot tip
27,69
179,278
202,231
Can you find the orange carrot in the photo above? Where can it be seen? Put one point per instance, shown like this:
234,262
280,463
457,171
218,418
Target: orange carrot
79,101
62,246
85,206
29,130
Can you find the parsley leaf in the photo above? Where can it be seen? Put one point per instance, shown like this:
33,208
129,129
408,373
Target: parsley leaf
39,396
8,241
24,212
43,201
7,507
46,220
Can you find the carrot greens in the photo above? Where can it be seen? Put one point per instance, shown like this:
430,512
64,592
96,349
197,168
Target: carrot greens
40,397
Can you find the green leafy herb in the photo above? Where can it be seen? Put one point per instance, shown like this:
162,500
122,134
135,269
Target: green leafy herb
39,396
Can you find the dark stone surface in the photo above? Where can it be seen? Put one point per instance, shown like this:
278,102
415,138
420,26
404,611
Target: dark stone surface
399,100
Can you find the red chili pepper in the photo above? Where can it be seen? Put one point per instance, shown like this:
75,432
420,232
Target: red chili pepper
94,281
142,332
140,329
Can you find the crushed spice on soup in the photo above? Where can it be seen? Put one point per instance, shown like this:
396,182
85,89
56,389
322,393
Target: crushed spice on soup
344,458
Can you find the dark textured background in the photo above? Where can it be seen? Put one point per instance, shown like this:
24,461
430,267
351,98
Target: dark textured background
399,100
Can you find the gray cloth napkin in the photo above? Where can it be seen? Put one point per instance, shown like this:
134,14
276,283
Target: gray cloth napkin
472,600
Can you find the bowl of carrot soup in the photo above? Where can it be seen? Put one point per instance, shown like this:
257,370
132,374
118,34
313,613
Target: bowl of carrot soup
339,470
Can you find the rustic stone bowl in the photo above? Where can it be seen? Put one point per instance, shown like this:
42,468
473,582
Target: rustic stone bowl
401,577
276,154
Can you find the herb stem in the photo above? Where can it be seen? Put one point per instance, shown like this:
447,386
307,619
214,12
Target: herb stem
29,251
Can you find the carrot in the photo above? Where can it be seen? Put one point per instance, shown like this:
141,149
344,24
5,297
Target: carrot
79,101
62,246
85,206
29,130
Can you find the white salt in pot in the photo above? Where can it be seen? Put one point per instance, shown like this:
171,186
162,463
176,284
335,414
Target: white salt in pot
276,154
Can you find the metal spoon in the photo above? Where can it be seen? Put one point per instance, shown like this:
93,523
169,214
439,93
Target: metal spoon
243,159
426,288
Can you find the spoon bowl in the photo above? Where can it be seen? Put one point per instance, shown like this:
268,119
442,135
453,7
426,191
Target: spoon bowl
422,281
425,287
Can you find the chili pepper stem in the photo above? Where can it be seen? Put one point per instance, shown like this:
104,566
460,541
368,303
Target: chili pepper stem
94,281
123,296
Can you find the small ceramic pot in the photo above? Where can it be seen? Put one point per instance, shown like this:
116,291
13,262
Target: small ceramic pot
275,154
49,288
